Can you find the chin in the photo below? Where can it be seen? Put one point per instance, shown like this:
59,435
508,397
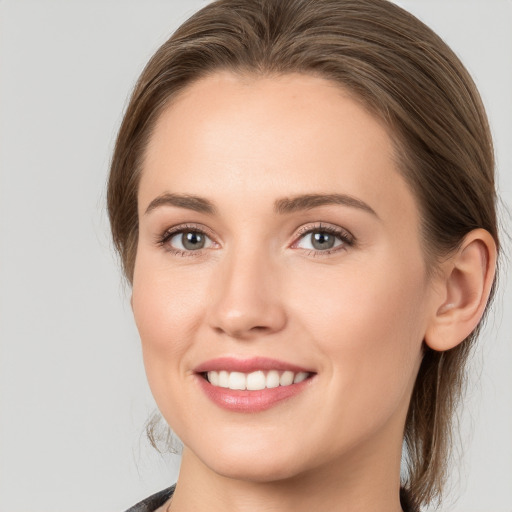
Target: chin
267,459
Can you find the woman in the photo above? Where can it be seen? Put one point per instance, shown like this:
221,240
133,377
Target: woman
302,195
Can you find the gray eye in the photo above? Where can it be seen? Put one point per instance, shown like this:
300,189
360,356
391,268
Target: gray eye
189,241
319,241
192,240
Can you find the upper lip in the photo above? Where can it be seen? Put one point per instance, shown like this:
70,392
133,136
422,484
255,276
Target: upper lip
233,364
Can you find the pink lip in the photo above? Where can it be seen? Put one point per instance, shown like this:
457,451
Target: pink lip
232,364
250,401
244,400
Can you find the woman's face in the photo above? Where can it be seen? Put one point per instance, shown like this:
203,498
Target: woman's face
278,242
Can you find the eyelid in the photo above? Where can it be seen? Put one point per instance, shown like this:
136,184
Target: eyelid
163,238
343,234
326,226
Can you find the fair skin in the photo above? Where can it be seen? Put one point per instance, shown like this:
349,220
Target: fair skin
335,286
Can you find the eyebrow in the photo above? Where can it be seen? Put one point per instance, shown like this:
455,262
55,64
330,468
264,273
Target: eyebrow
282,206
310,201
198,204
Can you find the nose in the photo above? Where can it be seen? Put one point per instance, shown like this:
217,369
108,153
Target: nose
246,299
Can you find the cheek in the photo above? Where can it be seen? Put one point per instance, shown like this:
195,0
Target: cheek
369,325
167,308
363,304
165,300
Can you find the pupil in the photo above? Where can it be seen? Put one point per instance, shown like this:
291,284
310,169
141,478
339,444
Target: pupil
322,241
192,240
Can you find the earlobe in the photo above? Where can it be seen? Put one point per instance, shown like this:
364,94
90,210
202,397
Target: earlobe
467,278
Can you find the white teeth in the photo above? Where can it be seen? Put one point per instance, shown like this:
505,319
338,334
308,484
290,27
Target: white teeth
237,380
214,378
273,379
255,381
300,377
286,378
223,379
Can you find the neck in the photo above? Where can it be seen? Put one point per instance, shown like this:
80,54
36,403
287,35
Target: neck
361,482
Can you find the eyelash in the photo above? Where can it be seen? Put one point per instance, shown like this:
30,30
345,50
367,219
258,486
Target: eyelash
182,228
346,238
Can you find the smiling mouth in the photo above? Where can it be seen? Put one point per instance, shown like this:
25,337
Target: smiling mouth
256,380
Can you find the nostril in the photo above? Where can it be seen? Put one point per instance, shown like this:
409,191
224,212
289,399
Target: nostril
259,328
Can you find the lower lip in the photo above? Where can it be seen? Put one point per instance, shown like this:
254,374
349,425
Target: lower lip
250,401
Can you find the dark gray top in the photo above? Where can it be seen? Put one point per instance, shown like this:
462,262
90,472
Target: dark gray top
151,503
154,501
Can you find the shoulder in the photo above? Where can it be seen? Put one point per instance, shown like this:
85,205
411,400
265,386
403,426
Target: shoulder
153,502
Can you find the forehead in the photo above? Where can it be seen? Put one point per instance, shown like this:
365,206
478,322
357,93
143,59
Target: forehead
286,135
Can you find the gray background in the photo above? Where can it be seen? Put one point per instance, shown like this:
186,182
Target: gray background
73,396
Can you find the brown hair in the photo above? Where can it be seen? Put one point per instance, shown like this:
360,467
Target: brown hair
403,73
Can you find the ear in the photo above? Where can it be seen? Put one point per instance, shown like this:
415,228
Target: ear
466,281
